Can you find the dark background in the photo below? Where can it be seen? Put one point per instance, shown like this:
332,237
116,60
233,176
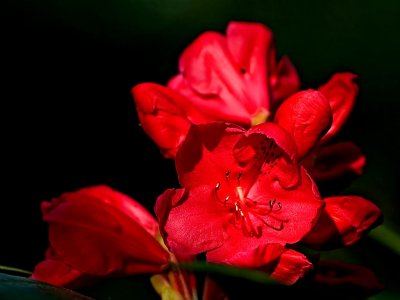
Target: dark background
69,118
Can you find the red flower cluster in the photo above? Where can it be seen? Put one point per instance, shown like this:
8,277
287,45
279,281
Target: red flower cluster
248,146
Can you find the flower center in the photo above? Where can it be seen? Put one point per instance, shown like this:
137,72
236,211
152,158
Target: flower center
247,214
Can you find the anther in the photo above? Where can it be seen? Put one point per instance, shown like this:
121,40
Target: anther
227,199
239,177
217,185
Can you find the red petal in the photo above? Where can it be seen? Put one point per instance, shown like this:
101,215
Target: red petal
192,224
245,252
252,47
345,220
339,274
207,154
120,201
305,115
98,239
212,291
332,161
341,92
164,115
211,105
57,273
296,209
291,266
267,146
285,81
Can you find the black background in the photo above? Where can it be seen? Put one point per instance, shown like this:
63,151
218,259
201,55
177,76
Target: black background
70,121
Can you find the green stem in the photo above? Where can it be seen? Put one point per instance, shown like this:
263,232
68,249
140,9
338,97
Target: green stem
387,237
12,269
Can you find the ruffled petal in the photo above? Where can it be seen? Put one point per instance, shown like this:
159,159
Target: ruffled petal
306,115
332,161
344,221
292,266
341,92
192,223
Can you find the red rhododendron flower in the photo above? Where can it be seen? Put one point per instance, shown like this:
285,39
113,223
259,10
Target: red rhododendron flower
233,78
96,232
343,222
243,195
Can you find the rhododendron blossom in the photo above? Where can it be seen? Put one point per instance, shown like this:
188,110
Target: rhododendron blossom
243,196
233,78
97,232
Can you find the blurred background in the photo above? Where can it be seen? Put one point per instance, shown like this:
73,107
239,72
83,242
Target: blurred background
70,121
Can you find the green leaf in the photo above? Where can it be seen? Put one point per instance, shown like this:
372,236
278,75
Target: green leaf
16,287
387,237
133,287
249,274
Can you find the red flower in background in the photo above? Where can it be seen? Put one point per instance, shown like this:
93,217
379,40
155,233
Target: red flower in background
243,198
233,78
97,232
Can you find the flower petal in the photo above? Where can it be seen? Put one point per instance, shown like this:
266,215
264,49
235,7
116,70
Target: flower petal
285,81
292,266
189,225
245,252
164,115
328,162
270,149
207,154
305,115
341,92
287,214
213,291
120,201
344,221
352,278
97,238
253,49
58,273
209,69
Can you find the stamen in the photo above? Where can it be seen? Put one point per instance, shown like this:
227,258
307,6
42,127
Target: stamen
240,193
